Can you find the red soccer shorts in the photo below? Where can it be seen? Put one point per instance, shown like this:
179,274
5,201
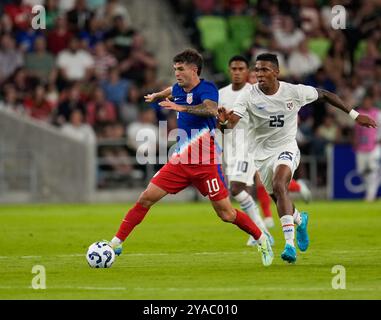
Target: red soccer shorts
207,178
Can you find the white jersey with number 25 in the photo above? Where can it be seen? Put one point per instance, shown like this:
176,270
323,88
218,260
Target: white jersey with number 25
274,118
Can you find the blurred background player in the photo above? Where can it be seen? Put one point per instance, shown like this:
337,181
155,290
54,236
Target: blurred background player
368,150
273,107
239,163
196,161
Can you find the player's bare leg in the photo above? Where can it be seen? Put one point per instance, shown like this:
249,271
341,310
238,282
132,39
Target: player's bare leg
239,192
227,213
288,214
135,215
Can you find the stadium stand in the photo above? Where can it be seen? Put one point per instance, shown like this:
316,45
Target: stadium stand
94,57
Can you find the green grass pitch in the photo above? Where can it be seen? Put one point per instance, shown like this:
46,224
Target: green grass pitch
183,251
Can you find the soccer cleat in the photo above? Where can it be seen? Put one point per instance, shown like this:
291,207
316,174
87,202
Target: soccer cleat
251,241
269,222
305,192
266,252
117,248
270,237
302,234
289,254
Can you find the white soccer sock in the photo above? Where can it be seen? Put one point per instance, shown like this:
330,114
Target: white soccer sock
248,205
297,217
371,182
288,228
116,241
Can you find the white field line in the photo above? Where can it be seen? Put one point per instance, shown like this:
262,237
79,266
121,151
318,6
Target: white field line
208,289
148,254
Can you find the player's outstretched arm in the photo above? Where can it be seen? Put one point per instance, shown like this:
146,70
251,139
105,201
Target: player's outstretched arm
152,97
207,108
226,119
335,100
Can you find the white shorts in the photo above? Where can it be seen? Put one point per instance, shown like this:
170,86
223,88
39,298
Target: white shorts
243,171
266,168
368,161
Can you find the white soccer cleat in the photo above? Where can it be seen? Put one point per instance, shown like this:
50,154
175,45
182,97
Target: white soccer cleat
305,192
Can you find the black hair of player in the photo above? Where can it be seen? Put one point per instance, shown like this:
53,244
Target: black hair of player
239,58
268,57
190,56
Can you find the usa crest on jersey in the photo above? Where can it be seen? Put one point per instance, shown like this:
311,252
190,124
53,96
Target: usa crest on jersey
190,98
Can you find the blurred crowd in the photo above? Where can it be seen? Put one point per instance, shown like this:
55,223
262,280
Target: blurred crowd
86,73
351,66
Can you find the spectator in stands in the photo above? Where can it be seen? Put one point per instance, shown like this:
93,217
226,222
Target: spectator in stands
99,110
115,88
52,13
111,9
59,37
288,37
19,14
310,19
235,7
302,61
103,60
327,133
10,57
66,5
40,63
77,129
25,38
93,34
207,7
367,64
72,102
23,82
338,60
75,64
10,100
78,18
37,106
138,61
119,38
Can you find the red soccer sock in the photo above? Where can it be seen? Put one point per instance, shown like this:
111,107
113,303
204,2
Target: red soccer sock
264,201
243,222
294,186
132,218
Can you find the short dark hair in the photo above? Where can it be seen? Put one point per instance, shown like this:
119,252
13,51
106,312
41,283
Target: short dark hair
190,56
268,57
239,58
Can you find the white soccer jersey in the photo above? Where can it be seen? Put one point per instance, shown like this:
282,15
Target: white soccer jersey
236,143
274,117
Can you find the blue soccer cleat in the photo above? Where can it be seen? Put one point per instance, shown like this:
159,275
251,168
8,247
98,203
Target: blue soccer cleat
289,254
302,234
117,248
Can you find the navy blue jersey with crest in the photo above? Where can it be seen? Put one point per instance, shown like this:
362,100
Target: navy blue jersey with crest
199,130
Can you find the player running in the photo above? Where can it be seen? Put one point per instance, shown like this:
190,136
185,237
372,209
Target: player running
240,168
239,163
196,160
273,106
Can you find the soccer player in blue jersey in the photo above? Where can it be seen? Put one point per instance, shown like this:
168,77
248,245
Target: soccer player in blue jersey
196,161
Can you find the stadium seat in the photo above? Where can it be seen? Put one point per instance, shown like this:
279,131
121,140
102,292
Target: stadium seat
213,31
222,54
242,30
319,46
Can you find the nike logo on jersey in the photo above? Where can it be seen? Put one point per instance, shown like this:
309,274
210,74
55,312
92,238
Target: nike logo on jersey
260,107
213,194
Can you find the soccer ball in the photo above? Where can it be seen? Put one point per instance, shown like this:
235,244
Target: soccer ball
100,255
